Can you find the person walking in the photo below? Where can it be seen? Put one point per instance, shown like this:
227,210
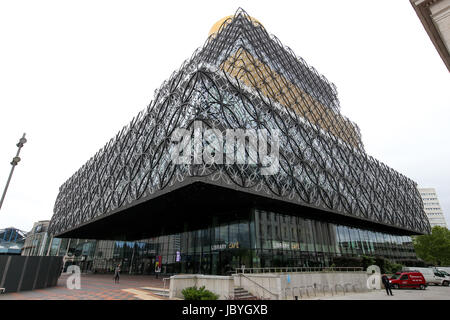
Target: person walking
117,274
387,284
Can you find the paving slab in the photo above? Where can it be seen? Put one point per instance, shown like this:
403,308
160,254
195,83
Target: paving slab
430,293
95,287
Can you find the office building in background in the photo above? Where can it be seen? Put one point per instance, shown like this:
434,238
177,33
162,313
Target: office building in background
432,207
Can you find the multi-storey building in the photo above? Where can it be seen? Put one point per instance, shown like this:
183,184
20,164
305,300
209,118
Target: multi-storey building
37,240
11,241
306,193
432,207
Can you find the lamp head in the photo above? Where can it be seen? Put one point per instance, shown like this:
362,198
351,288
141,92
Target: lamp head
22,141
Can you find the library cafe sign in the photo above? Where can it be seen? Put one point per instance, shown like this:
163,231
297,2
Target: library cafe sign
285,245
223,246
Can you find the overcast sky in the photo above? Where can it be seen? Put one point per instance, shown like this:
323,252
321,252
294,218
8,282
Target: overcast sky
73,73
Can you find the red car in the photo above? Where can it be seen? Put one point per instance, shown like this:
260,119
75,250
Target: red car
408,280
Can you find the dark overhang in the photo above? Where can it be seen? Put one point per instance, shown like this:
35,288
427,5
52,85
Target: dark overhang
194,203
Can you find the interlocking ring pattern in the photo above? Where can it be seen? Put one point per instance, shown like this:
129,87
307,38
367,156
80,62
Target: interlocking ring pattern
245,78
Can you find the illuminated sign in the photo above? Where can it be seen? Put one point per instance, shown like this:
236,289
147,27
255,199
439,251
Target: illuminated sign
223,246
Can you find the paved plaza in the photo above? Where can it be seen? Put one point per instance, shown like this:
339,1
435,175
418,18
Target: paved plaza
430,293
96,287
102,287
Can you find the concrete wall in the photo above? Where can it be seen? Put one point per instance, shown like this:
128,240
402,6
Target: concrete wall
288,285
320,283
274,286
221,285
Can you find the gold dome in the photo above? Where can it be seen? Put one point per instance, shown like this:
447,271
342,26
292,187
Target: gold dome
219,23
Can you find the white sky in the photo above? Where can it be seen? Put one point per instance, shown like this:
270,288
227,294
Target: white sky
73,73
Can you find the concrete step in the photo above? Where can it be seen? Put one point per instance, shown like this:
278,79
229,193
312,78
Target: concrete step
158,291
247,297
240,290
242,294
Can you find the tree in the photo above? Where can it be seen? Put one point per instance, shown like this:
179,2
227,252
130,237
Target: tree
434,247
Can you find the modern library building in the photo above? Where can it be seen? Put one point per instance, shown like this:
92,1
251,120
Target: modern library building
304,195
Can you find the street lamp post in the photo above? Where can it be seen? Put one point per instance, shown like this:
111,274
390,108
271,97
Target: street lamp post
14,163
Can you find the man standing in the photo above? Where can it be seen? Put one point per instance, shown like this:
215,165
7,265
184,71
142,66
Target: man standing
387,284
117,274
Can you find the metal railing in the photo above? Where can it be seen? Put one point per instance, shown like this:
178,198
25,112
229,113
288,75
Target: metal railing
310,290
297,269
273,295
164,281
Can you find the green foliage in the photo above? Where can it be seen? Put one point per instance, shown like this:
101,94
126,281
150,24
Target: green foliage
194,293
391,267
414,263
434,247
386,266
381,262
347,261
367,261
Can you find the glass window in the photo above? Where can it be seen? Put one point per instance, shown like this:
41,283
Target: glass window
356,240
54,246
190,243
366,241
244,235
233,233
381,244
223,234
205,241
388,246
346,232
63,247
309,235
334,236
331,238
343,240
253,235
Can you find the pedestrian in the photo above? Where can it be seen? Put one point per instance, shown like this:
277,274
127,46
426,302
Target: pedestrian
117,274
387,284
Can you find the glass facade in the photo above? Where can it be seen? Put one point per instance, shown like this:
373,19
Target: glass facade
37,240
256,239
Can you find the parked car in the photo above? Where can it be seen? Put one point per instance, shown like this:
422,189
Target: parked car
445,273
443,276
431,275
445,269
408,280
